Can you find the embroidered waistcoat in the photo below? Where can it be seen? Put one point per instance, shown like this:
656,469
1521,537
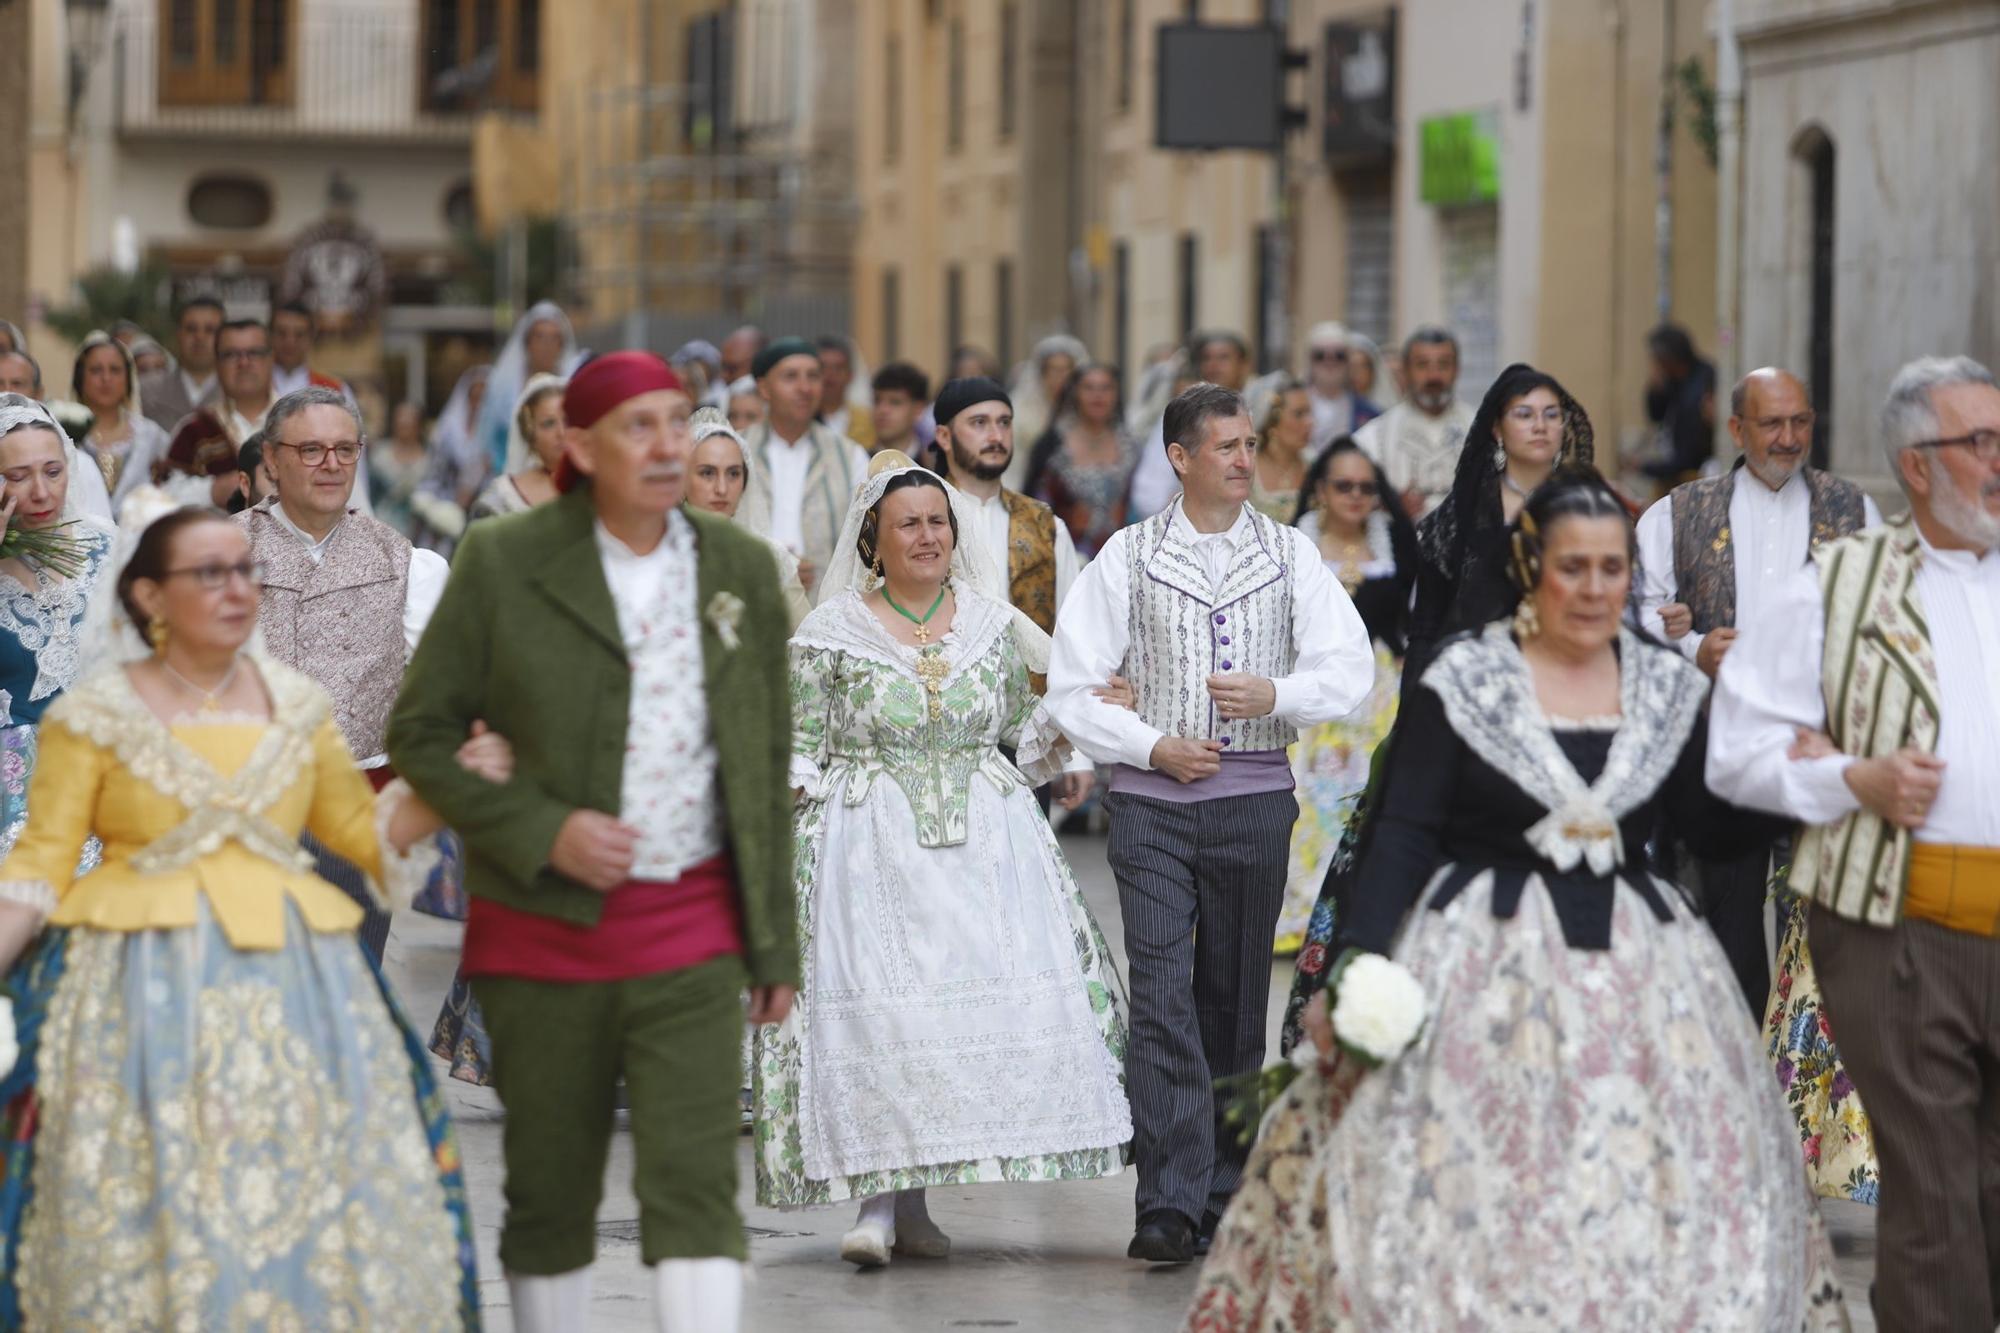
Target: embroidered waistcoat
1705,556
340,621
1184,630
1881,685
1031,564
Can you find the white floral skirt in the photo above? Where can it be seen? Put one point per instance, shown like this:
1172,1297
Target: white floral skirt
961,1019
230,1139
1580,1140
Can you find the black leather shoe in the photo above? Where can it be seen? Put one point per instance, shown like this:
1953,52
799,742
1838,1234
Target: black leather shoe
1165,1236
1204,1235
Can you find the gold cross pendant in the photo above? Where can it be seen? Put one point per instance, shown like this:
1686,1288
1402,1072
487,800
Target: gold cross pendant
931,671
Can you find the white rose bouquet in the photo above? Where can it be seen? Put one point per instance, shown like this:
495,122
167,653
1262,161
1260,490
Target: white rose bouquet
1377,1010
1378,1007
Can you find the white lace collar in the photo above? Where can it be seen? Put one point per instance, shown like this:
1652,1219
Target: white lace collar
1489,698
843,623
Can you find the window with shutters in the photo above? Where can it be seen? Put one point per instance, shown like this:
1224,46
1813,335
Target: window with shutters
226,52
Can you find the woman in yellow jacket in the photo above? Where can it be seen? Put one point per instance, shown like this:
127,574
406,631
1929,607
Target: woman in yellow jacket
234,1127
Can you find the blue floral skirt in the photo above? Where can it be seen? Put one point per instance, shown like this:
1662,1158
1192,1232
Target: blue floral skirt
202,1136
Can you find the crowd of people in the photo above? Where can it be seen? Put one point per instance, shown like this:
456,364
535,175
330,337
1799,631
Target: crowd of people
743,683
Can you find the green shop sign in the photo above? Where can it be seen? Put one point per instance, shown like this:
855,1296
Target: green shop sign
1461,158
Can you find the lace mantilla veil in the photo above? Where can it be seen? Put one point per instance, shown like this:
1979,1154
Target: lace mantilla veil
971,566
86,502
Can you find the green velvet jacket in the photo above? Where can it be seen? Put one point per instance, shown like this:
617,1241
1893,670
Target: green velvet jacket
526,638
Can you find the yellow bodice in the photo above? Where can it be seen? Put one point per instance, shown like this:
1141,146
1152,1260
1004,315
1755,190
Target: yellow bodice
210,810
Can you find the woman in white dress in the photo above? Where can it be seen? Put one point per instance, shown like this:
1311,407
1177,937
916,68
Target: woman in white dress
719,481
120,439
961,1020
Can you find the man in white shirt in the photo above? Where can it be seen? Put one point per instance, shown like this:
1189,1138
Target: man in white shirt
291,353
168,395
1712,554
1337,409
809,472
1417,442
345,597
1025,541
1865,703
1232,635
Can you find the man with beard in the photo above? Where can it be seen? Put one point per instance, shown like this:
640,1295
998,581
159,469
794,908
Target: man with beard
808,471
1417,441
1863,706
1712,553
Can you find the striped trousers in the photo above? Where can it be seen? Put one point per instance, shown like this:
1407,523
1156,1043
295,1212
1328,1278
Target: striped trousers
347,877
1916,1010
1199,885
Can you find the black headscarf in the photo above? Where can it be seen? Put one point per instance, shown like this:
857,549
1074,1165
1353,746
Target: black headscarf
1385,611
1463,582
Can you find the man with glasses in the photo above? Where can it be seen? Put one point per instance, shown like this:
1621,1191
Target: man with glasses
1712,553
206,440
1863,705
345,597
1337,409
1417,442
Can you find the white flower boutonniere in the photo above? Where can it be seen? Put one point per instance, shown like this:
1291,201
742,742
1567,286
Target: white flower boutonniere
724,614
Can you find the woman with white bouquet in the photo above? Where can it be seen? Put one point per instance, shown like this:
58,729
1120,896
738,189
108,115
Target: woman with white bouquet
1570,1123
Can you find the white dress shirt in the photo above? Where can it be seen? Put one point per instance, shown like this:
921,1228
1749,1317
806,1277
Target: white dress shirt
1770,537
1154,482
197,389
668,791
1333,668
788,462
1770,685
1416,449
425,585
993,531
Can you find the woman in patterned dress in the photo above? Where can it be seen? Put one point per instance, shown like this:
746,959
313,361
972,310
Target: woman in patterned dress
1584,1134
1082,465
961,1019
234,1126
1372,549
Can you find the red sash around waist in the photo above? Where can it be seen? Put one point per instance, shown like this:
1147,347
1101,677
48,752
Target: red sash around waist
647,927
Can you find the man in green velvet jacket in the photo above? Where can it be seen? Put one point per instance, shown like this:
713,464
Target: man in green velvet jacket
635,875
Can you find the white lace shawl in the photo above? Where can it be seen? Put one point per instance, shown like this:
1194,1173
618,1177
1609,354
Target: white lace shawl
1489,697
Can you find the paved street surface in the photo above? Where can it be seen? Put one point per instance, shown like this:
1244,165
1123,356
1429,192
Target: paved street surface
1031,1257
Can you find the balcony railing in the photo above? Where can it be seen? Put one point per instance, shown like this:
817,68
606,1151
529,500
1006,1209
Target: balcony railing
353,74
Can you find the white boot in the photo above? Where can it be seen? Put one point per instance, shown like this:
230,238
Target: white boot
874,1233
916,1235
556,1303
698,1295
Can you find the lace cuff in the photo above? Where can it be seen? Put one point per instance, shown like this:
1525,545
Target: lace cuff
36,893
1044,751
806,777
404,874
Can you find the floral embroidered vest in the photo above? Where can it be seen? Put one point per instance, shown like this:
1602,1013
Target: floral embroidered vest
1881,688
1705,557
1183,630
339,622
1031,564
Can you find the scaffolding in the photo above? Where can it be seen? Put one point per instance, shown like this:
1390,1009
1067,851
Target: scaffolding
693,206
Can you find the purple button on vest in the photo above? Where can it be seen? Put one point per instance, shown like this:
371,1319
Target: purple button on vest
1219,617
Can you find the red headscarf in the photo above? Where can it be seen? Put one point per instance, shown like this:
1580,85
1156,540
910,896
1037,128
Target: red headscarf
602,384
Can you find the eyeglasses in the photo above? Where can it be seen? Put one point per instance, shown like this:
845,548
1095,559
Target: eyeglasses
312,455
243,354
1985,444
214,577
1343,486
1329,354
1525,412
